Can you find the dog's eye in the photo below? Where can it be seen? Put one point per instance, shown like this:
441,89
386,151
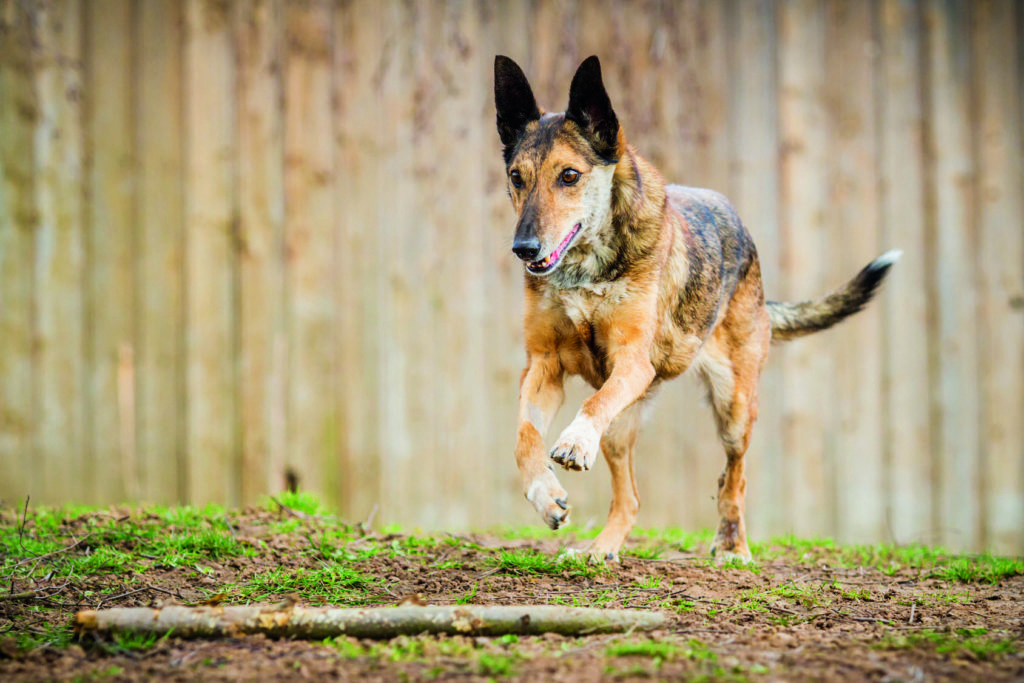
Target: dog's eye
569,176
516,178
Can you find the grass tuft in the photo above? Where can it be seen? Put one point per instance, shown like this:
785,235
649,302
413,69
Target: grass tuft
959,642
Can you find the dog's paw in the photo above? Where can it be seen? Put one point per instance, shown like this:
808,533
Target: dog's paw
724,553
604,550
550,499
730,544
591,554
577,447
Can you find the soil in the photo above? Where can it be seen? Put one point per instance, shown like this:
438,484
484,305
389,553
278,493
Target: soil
791,617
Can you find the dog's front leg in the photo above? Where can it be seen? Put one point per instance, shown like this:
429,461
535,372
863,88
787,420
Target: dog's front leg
632,373
540,396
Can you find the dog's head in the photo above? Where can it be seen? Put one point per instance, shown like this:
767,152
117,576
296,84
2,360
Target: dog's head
559,167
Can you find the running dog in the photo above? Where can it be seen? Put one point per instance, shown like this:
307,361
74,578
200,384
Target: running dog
631,282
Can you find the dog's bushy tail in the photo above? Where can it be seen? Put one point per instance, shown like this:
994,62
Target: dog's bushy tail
790,321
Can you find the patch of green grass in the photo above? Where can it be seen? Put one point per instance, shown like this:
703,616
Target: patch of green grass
687,541
662,650
983,568
645,552
976,641
496,664
128,640
650,582
468,597
348,648
951,597
330,584
527,561
300,501
405,649
104,559
98,675
736,564
890,558
57,636
885,557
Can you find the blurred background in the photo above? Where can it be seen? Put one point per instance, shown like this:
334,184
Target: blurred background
252,245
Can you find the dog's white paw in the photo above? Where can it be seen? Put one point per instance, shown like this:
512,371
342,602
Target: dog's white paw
592,554
550,499
577,447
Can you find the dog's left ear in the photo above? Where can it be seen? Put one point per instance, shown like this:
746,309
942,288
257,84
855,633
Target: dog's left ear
591,109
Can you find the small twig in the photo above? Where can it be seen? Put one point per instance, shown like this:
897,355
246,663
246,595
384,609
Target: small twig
876,620
34,594
369,519
118,597
291,511
783,610
179,596
55,552
487,573
24,519
14,597
911,620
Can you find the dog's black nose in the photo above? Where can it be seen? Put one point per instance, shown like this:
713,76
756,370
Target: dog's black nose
526,248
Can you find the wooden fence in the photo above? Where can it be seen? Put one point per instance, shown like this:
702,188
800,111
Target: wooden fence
244,239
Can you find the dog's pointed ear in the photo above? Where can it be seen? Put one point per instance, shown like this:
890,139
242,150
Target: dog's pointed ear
591,109
514,101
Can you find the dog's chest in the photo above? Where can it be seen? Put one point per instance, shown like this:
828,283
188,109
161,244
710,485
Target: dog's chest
584,305
585,308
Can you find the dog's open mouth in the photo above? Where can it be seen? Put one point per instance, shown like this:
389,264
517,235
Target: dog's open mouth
547,264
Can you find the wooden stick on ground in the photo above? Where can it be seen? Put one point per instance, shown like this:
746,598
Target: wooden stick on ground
388,622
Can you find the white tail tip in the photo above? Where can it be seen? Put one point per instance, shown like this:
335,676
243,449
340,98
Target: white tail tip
888,258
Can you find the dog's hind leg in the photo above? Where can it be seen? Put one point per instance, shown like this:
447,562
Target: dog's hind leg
617,445
731,366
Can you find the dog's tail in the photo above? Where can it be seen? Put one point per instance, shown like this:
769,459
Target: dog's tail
790,321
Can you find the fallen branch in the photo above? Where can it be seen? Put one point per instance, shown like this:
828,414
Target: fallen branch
326,622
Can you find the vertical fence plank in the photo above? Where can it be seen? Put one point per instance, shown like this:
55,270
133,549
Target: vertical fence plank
904,299
856,425
461,92
954,276
19,111
111,248
309,250
359,54
160,229
59,248
806,371
209,258
261,209
753,120
393,210
1001,274
504,282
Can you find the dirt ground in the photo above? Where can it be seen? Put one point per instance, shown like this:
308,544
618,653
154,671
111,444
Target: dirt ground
802,612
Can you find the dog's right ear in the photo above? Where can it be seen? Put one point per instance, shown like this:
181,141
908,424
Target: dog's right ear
513,100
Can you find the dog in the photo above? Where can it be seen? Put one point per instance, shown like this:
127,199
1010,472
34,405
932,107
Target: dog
630,282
